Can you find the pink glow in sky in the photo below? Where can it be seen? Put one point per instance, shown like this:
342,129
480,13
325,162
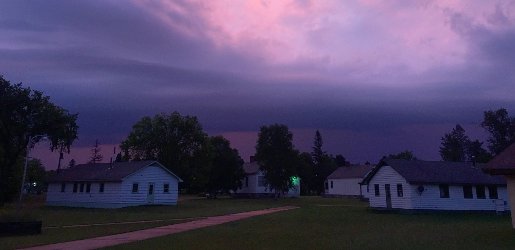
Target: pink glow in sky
416,36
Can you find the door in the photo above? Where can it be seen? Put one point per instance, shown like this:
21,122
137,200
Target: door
388,195
150,194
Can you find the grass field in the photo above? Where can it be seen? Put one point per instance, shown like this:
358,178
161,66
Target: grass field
319,223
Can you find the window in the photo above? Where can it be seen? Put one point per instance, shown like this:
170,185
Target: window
261,181
399,190
368,188
101,187
166,188
376,189
480,192
492,192
63,187
82,187
444,191
246,181
134,187
467,192
88,187
75,184
331,184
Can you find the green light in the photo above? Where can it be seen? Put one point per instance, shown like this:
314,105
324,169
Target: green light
295,180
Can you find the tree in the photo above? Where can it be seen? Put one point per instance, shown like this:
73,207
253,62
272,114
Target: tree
404,155
177,141
476,152
306,172
225,170
501,128
318,154
276,157
119,157
96,156
340,161
36,176
24,114
72,163
454,145
323,164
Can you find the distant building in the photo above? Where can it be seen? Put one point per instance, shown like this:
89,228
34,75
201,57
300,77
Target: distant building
345,181
254,183
120,184
504,164
435,185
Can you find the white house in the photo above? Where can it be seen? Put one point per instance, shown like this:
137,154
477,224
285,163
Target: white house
504,164
345,181
254,184
120,184
433,185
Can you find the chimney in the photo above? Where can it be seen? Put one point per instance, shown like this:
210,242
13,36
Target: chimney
252,158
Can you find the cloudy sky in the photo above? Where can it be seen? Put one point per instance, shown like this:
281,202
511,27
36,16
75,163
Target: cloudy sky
375,77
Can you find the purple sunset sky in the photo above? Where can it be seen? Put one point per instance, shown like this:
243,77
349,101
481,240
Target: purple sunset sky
375,77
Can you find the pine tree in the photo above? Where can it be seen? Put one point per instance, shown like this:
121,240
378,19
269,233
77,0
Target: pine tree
96,156
454,145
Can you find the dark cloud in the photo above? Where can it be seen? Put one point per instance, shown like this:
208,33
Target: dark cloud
112,62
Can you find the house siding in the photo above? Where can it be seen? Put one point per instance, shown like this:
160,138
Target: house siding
429,198
118,194
109,198
151,174
350,187
386,175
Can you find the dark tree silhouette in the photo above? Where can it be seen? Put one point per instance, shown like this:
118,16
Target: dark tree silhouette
96,156
454,145
24,114
501,128
177,141
277,157
404,155
323,164
225,171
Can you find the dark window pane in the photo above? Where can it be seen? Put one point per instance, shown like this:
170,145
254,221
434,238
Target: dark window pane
101,188
492,192
444,191
376,189
400,193
467,192
480,192
135,187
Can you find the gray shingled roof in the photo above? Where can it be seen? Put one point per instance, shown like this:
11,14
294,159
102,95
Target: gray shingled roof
436,172
350,172
503,163
251,167
103,171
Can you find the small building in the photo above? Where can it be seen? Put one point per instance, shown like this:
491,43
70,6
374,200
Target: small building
345,181
120,184
254,183
504,164
435,185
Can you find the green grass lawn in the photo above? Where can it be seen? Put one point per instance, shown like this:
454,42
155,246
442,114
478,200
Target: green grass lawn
337,224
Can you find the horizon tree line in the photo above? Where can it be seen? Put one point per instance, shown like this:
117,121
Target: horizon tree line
206,163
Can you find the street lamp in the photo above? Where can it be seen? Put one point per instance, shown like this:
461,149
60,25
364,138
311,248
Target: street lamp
29,144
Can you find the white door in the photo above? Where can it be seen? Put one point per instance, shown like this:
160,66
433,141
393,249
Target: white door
150,193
